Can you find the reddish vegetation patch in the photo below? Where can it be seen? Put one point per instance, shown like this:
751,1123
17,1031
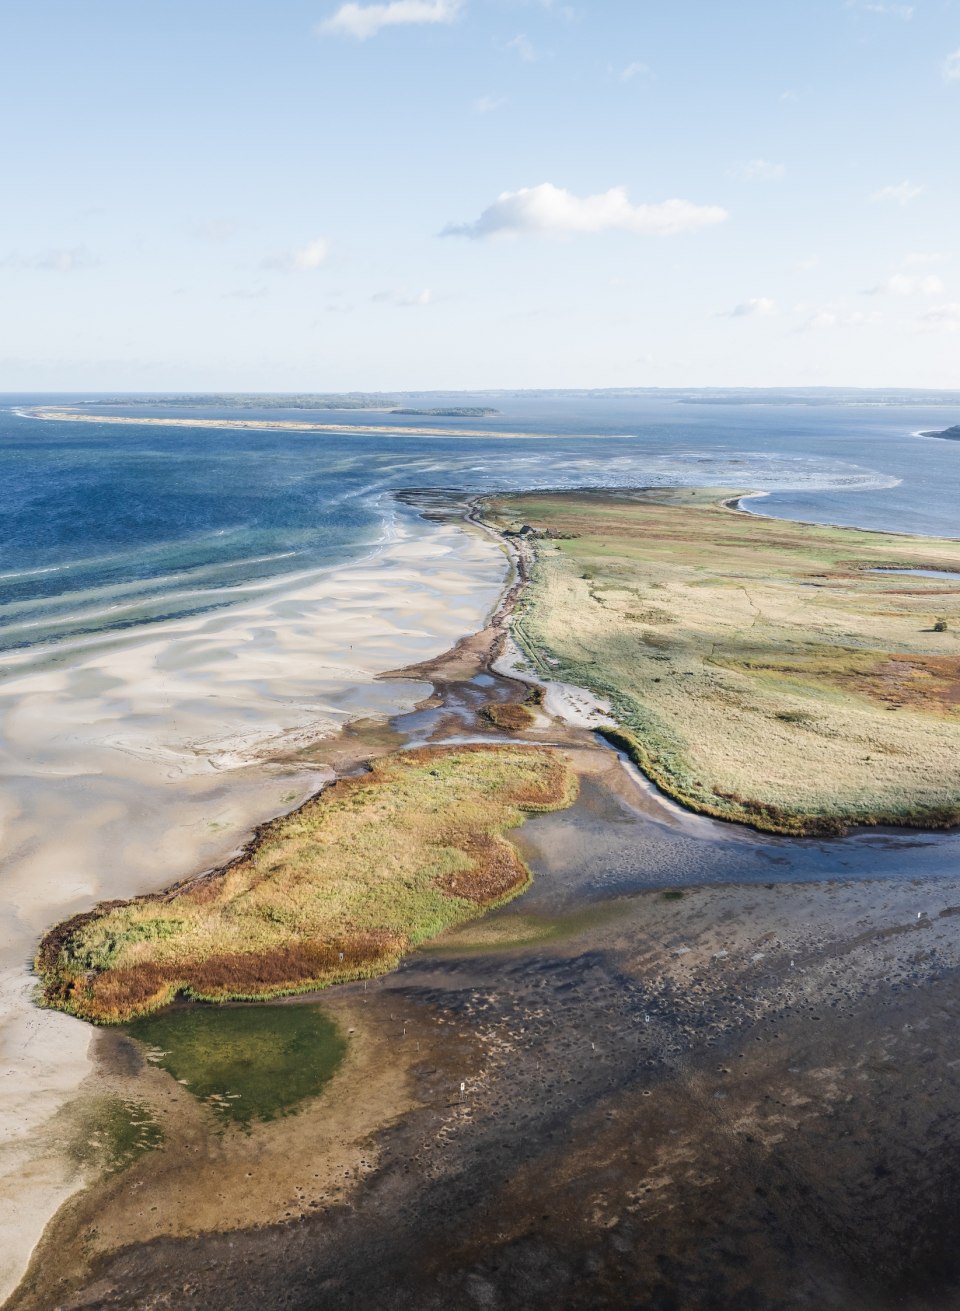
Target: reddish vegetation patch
496,871
296,966
920,682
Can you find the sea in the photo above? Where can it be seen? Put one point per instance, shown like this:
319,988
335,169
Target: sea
108,527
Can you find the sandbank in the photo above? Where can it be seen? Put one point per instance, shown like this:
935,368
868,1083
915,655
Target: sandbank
140,758
282,425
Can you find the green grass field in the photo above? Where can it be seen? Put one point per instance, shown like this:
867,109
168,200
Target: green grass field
338,890
758,669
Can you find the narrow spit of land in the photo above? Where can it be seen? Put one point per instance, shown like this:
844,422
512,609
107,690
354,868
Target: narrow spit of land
794,677
58,414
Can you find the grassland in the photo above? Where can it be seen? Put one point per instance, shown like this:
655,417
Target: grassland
338,890
758,669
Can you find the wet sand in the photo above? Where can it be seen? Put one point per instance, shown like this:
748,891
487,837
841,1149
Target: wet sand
148,756
703,1068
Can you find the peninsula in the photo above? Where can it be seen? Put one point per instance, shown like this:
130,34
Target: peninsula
793,677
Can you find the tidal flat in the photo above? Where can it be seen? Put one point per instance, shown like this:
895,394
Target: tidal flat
694,1065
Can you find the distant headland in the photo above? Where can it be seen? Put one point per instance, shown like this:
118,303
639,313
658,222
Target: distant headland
951,434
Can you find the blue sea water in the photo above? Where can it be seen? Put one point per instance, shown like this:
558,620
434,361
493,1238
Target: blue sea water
110,526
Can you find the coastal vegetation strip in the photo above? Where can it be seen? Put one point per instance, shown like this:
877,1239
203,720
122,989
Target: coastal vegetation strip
338,890
760,670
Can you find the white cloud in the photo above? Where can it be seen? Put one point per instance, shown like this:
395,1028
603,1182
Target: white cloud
902,193
524,48
755,307
312,255
403,300
636,69
760,170
550,211
942,318
56,259
878,7
304,259
488,104
902,284
826,319
363,21
951,67
810,262
915,257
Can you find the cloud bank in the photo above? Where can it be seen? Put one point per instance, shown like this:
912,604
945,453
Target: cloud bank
549,211
363,21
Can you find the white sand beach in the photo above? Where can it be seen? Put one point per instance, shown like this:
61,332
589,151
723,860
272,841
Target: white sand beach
141,758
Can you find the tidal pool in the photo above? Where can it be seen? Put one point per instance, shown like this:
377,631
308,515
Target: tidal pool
247,1061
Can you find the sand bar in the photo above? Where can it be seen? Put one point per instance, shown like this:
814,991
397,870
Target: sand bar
284,425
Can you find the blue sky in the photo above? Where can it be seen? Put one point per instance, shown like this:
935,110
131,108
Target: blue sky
490,193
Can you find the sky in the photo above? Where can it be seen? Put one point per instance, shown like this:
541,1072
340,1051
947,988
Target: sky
468,194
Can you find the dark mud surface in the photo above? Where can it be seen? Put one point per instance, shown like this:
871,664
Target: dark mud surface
648,1123
702,1069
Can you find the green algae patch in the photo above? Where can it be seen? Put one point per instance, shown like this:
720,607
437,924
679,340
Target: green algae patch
245,1062
774,673
113,1133
338,890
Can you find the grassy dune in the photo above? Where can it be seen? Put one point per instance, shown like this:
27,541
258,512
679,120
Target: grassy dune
758,670
338,890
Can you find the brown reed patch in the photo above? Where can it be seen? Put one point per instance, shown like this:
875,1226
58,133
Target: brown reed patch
511,716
